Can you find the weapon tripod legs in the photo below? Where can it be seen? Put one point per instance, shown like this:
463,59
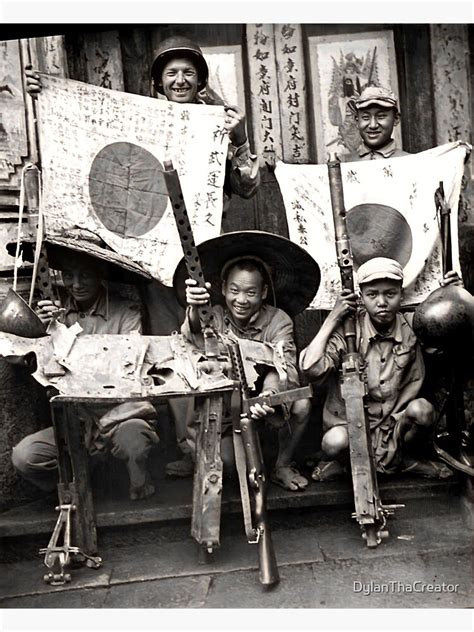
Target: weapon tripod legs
76,519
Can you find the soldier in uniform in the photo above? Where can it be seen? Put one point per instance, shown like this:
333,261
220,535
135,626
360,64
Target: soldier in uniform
179,73
395,372
252,270
128,430
376,113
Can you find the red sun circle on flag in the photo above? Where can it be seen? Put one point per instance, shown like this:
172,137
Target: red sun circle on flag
377,230
127,189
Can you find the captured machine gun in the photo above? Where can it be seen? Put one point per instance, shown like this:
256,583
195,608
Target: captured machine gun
369,511
207,488
223,354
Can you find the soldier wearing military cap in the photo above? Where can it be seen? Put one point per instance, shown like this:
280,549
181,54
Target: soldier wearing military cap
394,366
376,113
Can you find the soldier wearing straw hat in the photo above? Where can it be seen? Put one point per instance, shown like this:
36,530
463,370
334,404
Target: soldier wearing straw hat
258,281
128,430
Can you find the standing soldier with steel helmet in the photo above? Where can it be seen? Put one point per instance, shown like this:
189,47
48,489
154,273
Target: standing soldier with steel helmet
180,72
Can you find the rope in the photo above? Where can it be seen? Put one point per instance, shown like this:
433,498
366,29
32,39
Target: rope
18,263
39,238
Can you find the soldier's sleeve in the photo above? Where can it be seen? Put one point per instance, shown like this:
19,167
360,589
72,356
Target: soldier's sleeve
243,167
131,319
329,361
280,333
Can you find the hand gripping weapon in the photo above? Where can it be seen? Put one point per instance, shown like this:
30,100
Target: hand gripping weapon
369,511
207,486
248,454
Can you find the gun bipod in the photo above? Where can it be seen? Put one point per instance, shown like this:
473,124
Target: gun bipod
373,529
59,557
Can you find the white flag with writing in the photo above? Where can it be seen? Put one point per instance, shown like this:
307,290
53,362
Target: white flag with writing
391,212
102,154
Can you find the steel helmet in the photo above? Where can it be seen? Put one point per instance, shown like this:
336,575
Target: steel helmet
174,47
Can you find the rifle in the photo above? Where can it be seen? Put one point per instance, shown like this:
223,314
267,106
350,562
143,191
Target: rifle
369,511
248,450
207,485
248,454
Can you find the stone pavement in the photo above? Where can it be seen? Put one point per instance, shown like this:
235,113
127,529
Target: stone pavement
323,563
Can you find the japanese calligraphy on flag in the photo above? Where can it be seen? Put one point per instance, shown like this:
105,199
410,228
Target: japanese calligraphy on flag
391,212
102,154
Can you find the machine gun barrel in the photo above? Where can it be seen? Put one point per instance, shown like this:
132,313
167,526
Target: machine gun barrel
191,256
343,244
207,486
369,511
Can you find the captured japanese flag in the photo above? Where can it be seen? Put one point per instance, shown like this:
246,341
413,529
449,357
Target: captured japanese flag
391,212
102,154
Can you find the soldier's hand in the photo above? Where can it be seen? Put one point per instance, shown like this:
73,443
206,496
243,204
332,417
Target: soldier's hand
257,411
235,125
33,81
46,309
346,304
451,278
197,296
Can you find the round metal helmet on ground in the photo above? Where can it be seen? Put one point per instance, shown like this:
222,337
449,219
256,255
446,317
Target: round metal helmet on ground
295,274
445,319
377,230
59,250
177,46
17,317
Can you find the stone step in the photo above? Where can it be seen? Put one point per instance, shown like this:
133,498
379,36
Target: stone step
173,501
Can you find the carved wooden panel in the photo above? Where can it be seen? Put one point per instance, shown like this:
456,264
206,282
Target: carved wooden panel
104,60
264,91
13,123
292,90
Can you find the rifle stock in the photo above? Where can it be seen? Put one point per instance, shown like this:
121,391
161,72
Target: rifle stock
246,431
256,474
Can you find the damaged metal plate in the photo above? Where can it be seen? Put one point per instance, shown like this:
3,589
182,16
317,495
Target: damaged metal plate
127,366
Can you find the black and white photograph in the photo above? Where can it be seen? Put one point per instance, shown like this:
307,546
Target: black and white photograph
236,318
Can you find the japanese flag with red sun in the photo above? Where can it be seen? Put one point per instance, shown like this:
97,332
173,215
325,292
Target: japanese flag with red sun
102,155
391,212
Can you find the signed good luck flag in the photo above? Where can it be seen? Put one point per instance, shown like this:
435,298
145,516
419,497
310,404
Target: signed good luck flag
391,212
102,154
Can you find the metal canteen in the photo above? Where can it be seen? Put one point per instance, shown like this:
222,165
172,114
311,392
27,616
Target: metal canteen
17,317
445,317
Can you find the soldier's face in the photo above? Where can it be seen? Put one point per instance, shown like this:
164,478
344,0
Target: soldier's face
382,299
180,80
244,292
376,125
83,282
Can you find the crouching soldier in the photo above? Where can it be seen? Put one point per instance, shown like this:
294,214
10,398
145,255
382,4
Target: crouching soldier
394,370
257,269
127,430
